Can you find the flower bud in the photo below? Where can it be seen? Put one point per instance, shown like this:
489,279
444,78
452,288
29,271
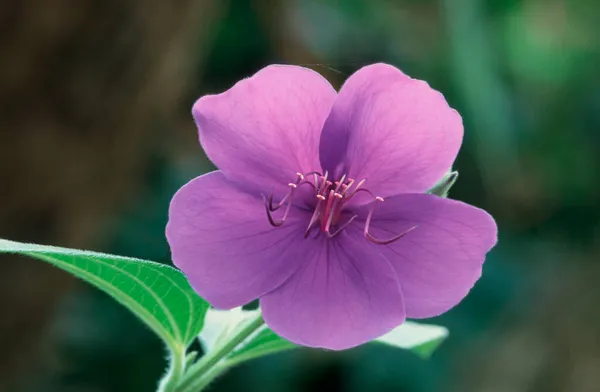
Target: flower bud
443,186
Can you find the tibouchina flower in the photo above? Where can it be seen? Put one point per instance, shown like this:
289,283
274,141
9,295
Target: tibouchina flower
319,207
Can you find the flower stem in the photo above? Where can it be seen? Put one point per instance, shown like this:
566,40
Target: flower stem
200,374
176,368
199,383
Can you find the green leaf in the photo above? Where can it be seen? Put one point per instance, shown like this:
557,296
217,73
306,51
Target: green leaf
442,188
158,294
422,339
219,325
265,342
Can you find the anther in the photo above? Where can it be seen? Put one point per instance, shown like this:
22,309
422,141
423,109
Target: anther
348,186
342,227
328,213
350,183
390,240
375,240
272,221
315,215
331,196
289,198
340,183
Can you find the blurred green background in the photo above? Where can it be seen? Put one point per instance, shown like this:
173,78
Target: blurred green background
96,135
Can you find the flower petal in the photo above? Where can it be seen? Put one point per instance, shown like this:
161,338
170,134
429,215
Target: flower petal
441,259
267,127
221,239
394,131
342,296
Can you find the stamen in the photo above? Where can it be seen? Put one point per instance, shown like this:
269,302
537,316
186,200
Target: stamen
313,172
342,227
278,206
268,206
377,241
356,189
327,215
325,184
331,198
349,184
340,183
326,187
315,215
285,198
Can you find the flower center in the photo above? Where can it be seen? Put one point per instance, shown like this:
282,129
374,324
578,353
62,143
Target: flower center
330,198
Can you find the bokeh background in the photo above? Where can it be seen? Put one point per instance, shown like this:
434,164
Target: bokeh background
96,135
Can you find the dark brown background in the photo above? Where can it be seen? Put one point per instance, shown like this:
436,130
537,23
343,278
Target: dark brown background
95,136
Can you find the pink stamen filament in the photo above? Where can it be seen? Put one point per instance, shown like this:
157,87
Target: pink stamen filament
287,208
331,197
342,227
374,240
299,181
327,215
315,216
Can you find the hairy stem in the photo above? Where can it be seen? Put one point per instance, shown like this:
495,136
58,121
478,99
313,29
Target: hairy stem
200,374
176,369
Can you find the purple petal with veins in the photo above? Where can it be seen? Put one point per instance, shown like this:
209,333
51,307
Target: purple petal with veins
319,209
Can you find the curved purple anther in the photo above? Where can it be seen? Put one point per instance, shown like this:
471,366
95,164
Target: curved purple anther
327,213
270,218
278,206
351,195
377,241
340,183
356,189
346,187
324,184
269,207
316,179
315,215
331,198
285,198
313,172
342,227
308,183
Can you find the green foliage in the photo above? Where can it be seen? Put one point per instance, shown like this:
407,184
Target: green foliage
421,339
221,324
442,188
265,342
162,298
158,294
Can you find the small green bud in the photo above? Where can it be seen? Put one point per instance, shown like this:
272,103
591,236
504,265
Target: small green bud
190,358
443,186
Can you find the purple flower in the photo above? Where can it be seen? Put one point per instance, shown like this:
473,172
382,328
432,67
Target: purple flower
320,206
